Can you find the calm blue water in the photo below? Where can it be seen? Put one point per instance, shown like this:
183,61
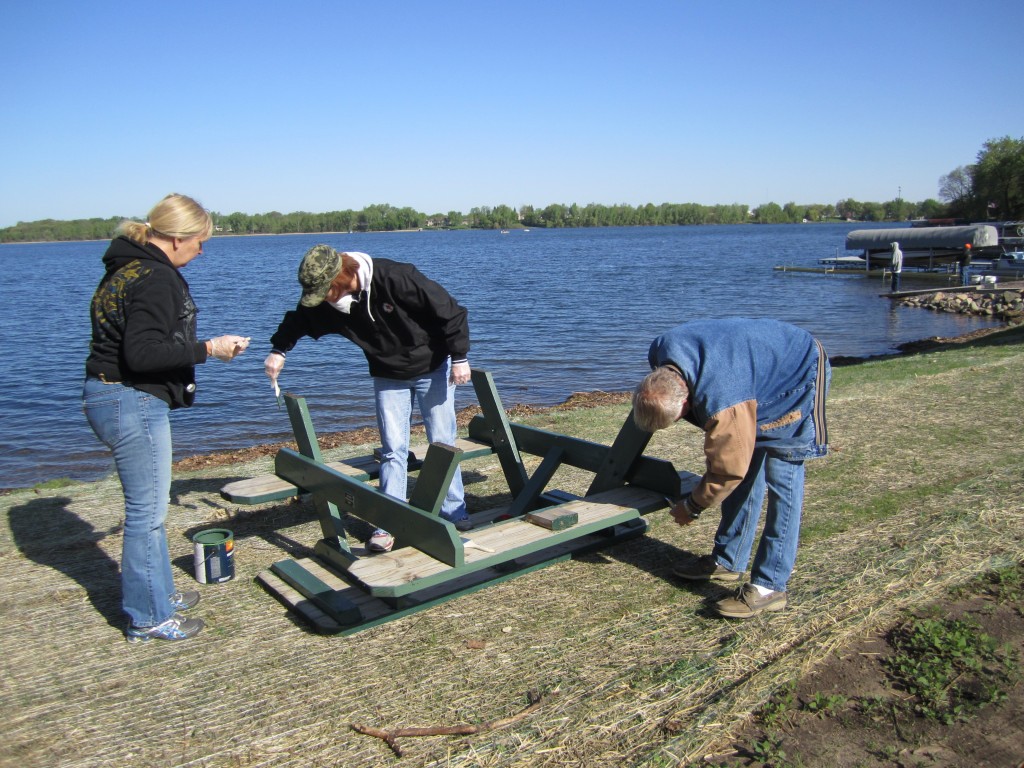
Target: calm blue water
552,312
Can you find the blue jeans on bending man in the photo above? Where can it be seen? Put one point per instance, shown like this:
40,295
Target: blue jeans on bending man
741,512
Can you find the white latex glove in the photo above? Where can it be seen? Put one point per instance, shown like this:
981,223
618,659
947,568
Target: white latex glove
272,366
460,373
227,348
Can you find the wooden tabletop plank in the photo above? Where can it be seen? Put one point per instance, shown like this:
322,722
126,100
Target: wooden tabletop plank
492,544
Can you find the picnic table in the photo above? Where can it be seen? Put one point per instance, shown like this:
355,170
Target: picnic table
340,591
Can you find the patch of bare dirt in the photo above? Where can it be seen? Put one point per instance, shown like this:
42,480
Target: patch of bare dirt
867,724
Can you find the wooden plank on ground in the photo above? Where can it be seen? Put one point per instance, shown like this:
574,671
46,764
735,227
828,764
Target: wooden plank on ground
375,611
329,600
369,607
298,602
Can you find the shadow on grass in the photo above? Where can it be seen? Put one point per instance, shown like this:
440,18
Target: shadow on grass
658,558
263,523
47,532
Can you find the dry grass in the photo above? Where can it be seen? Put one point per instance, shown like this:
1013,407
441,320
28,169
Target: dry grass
924,489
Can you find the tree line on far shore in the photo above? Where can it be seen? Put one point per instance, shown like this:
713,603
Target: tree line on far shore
991,189
387,218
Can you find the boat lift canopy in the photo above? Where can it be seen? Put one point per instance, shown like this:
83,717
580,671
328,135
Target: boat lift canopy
923,238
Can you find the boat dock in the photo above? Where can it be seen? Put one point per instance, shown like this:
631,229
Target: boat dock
846,266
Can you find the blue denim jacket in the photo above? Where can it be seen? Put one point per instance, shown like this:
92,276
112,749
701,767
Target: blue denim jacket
736,360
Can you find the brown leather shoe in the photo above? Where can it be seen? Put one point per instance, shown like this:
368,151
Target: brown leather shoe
706,569
748,602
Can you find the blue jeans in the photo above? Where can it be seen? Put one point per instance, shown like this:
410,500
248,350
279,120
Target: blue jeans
436,400
137,429
741,511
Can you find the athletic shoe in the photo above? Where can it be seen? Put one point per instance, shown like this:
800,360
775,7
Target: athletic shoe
465,524
749,602
706,568
175,628
182,601
380,541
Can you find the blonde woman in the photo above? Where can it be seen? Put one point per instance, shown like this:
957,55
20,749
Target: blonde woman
141,365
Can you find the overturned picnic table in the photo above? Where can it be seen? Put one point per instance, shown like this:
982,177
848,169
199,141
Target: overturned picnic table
339,592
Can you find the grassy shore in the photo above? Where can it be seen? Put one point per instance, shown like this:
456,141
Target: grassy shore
923,490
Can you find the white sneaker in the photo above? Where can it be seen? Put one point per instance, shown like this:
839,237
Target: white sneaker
380,541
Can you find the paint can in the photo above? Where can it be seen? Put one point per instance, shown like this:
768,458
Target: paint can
975,279
990,280
214,555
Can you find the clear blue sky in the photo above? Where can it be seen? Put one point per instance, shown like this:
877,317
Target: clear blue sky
258,106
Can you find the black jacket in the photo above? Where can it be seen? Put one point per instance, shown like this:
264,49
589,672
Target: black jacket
144,325
409,326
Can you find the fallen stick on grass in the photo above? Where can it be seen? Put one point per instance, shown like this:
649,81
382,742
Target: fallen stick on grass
536,702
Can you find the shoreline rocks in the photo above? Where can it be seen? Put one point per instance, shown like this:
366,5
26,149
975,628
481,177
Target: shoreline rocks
1003,304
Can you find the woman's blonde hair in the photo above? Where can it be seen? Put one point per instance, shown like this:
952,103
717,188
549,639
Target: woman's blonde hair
174,216
658,400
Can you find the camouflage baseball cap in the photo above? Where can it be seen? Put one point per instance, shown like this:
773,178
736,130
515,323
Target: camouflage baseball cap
319,267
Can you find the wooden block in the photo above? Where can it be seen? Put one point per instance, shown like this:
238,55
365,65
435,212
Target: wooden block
553,519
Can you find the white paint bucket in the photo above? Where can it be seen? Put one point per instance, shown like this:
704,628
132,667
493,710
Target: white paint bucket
214,555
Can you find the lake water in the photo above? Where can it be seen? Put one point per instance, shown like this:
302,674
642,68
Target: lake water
551,312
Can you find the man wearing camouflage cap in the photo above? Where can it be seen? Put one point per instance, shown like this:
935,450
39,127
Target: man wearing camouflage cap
415,337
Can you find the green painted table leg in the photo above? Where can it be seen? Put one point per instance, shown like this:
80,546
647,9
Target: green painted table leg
435,477
497,432
528,497
410,526
331,523
619,460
